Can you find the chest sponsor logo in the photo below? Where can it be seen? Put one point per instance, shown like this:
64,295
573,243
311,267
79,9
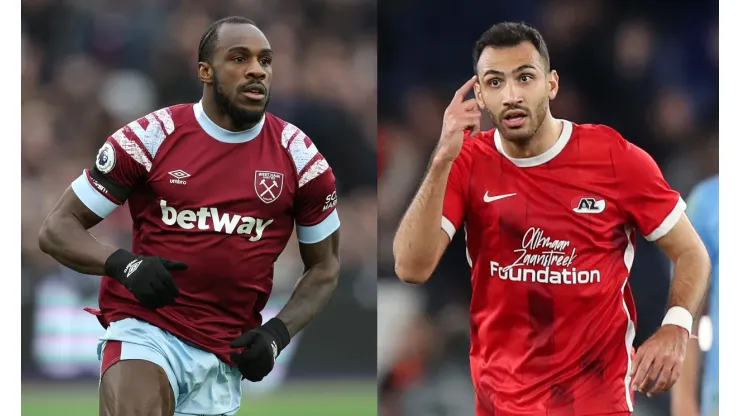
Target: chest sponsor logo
268,185
208,218
544,259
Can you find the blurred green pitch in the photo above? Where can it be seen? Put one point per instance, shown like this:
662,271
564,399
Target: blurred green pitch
320,399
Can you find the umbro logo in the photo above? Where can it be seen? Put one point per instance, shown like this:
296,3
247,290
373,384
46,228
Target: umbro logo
131,267
588,205
273,345
178,176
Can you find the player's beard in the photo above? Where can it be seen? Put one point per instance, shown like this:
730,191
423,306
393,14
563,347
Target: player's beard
241,117
530,128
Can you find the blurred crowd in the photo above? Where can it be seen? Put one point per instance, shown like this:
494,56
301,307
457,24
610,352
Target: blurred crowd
650,74
90,67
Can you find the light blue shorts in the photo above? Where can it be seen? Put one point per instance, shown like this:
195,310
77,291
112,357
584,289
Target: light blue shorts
203,384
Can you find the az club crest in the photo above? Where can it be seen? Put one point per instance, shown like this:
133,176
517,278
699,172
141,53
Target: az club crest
268,185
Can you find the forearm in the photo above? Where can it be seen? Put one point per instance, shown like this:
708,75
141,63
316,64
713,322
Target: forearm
313,291
416,246
65,239
690,281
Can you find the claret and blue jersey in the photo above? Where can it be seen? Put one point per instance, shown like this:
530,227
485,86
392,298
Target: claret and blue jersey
226,203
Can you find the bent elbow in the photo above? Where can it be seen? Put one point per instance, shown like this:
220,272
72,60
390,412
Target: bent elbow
412,274
44,238
47,237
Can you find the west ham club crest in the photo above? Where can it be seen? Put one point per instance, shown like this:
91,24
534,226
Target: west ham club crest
268,185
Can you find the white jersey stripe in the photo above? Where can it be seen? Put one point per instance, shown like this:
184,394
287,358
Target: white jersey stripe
319,167
669,221
152,136
132,149
467,252
288,132
165,117
629,336
448,227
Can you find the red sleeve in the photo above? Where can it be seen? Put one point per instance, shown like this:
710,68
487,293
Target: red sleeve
456,192
122,163
316,198
644,195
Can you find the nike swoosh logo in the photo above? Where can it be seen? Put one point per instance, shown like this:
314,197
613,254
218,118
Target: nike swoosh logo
487,198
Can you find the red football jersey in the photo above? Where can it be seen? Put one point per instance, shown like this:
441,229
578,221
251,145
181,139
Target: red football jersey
550,240
223,202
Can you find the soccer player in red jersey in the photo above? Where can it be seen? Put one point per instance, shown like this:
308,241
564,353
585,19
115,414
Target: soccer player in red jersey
214,190
550,211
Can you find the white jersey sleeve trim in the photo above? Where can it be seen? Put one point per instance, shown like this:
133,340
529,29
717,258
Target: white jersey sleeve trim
669,222
448,227
93,200
314,233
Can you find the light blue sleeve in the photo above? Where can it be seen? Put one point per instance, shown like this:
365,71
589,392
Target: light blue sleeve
702,208
696,210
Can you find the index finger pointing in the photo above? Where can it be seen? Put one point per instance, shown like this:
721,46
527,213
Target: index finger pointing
463,91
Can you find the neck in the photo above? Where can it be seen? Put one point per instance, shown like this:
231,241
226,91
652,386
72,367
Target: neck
543,139
220,118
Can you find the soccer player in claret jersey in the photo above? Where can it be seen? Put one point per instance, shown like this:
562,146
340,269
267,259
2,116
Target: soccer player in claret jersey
214,190
550,210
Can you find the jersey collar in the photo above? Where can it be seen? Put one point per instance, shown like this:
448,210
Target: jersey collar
545,157
222,134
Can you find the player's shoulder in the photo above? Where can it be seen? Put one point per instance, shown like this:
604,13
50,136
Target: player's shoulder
599,133
181,112
283,132
296,145
606,139
173,115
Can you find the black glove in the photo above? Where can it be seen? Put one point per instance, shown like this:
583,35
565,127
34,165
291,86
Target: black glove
262,346
147,277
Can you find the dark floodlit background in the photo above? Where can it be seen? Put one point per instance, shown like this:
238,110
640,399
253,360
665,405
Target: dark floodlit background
90,67
647,68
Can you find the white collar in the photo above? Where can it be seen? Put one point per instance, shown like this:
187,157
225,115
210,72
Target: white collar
222,134
545,157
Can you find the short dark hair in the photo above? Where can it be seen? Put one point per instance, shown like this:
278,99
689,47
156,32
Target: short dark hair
210,37
507,34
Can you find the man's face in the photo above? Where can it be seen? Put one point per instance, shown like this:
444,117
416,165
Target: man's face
242,73
515,88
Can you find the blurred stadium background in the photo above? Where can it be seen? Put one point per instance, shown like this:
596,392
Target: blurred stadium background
648,72
92,66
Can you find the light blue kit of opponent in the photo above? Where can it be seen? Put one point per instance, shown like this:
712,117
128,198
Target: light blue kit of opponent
202,384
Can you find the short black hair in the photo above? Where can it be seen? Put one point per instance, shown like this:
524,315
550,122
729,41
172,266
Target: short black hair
507,34
210,37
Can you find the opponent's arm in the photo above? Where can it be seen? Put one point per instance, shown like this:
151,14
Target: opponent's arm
64,236
316,285
420,240
692,266
685,393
